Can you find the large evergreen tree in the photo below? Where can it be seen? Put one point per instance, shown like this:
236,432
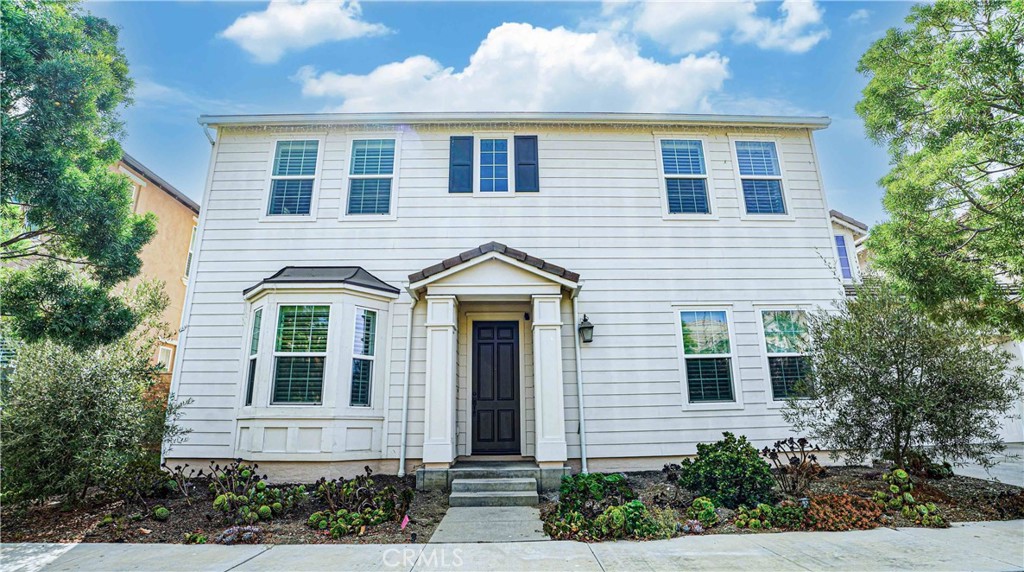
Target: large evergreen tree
946,95
67,231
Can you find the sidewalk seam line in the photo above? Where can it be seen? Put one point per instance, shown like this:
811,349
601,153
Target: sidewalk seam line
597,558
264,551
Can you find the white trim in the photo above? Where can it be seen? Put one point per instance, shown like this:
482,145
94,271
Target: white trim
737,387
851,258
787,202
170,358
509,138
494,254
350,139
317,177
471,318
274,353
248,356
190,259
759,310
372,358
314,287
708,178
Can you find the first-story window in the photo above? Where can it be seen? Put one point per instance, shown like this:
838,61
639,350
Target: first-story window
254,347
707,351
363,351
785,338
300,350
292,178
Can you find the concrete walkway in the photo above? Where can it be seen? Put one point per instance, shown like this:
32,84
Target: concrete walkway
1009,467
470,524
973,546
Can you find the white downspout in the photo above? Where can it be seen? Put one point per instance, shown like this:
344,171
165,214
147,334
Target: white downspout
579,381
405,386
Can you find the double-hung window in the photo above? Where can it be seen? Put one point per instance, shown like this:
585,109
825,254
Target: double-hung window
191,253
760,177
254,348
707,352
371,176
292,178
686,178
163,358
785,338
363,351
844,258
299,354
494,166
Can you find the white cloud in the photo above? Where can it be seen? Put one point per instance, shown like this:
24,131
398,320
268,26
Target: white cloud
859,16
685,27
149,93
288,25
526,68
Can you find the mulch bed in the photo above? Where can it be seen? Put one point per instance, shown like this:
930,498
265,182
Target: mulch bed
99,521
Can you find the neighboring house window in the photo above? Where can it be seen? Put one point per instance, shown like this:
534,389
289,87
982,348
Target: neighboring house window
370,177
163,358
493,165
686,179
761,177
844,257
707,352
191,250
291,182
300,350
254,347
785,338
363,356
501,168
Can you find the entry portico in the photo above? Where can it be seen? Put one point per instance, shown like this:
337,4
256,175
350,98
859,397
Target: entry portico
500,311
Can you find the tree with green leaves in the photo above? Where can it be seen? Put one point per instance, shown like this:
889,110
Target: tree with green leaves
67,231
888,380
946,95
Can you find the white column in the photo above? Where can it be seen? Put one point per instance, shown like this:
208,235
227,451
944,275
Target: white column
439,413
548,400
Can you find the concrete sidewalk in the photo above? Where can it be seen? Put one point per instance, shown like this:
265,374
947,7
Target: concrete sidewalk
972,546
1009,467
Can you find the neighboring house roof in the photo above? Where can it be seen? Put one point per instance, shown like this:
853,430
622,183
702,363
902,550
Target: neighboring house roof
160,183
501,249
354,275
518,117
848,221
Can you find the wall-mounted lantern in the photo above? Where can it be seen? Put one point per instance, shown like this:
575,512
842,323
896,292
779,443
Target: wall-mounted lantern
586,330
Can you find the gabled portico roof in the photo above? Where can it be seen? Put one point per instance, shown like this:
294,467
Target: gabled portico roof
491,250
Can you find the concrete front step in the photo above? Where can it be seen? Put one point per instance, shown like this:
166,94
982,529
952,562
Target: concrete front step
494,498
493,485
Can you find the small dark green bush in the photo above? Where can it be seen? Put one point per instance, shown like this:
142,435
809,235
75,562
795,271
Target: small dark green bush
703,511
591,493
730,472
161,513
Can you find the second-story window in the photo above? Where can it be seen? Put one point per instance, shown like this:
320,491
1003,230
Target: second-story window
686,179
760,177
191,251
291,182
371,176
844,258
493,165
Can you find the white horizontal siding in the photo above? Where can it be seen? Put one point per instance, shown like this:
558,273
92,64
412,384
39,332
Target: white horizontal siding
598,213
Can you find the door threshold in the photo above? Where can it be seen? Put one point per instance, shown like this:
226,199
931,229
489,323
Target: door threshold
493,458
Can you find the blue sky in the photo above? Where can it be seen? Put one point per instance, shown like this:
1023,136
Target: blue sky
794,57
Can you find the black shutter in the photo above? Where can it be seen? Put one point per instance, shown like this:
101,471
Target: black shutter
527,171
460,165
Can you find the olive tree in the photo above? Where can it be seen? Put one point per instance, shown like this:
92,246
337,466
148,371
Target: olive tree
888,380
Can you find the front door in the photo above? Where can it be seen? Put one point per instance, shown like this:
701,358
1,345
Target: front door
496,388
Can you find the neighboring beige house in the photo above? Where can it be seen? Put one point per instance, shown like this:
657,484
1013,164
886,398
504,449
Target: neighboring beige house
168,256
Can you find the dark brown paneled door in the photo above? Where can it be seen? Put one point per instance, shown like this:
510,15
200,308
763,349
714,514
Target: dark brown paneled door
496,388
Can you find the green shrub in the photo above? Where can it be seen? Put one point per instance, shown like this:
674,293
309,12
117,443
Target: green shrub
244,496
730,472
703,511
631,520
898,498
789,516
755,518
591,493
195,538
360,493
161,513
72,420
343,522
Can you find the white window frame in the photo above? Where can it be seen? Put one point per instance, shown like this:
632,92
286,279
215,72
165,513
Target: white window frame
851,257
787,200
170,360
510,139
351,138
371,358
249,355
737,385
707,177
759,310
190,259
317,176
274,354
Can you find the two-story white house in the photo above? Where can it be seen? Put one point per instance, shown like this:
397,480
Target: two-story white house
412,290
